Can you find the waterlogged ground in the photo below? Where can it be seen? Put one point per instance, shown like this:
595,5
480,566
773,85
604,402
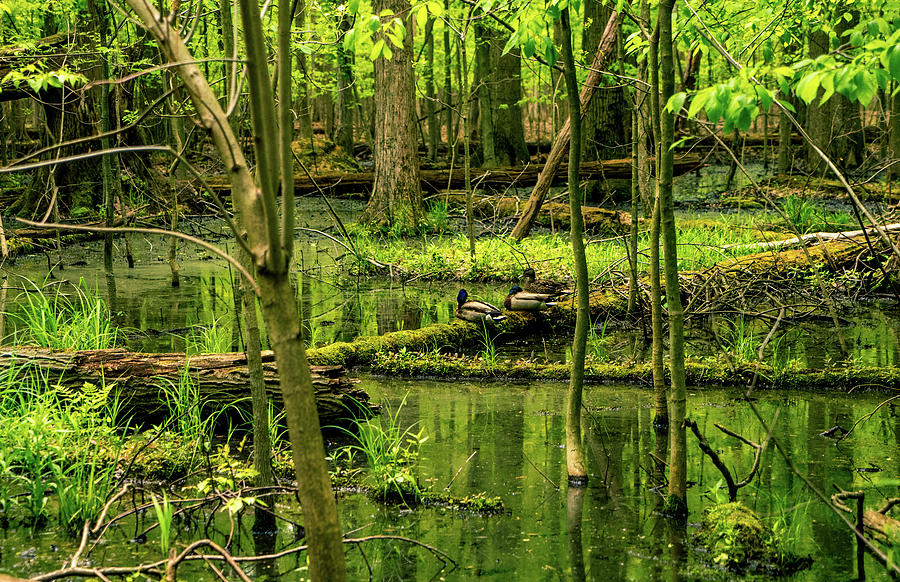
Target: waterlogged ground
608,532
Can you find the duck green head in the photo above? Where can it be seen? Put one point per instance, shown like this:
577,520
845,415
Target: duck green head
515,289
462,296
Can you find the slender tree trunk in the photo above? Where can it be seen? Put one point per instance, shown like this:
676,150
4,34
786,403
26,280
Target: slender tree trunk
660,404
633,302
784,164
106,162
895,135
448,86
302,102
344,134
678,392
464,92
397,196
434,126
574,446
267,243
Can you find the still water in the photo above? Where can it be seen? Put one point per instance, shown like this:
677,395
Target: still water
610,531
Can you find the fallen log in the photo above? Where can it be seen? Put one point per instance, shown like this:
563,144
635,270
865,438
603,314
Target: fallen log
815,236
552,214
483,178
220,378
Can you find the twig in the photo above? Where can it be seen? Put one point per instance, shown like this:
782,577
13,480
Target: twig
549,480
461,467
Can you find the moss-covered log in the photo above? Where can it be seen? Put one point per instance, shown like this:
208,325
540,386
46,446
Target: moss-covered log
705,373
220,378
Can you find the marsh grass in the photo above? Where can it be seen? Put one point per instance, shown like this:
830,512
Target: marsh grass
810,216
446,257
54,440
213,338
391,453
52,319
165,512
185,409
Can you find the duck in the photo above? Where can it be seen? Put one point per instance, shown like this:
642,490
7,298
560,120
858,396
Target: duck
475,311
531,284
519,300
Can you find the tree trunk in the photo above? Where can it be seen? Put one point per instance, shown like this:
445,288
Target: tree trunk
343,136
301,104
660,404
574,447
506,92
397,197
785,156
523,226
220,378
484,79
434,126
895,136
678,394
448,87
604,131
266,242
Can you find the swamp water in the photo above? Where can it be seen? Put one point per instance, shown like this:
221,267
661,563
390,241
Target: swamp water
608,532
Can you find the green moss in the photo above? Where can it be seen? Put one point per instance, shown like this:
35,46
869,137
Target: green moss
735,538
479,503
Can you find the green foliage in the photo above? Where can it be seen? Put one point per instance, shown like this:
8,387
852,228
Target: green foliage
52,319
391,453
214,338
54,440
165,512
737,539
808,216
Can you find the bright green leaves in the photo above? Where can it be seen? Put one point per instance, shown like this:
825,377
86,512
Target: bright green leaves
736,103
384,30
39,80
421,11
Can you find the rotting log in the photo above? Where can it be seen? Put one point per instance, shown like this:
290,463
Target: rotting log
220,378
483,178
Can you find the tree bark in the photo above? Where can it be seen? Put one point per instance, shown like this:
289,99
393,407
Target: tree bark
574,447
678,394
895,136
434,126
302,101
343,135
220,378
265,242
607,45
506,90
785,156
604,132
397,197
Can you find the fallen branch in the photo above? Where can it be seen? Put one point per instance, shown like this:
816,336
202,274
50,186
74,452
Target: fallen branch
779,244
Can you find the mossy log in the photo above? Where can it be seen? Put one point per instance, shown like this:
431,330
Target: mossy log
705,373
441,180
219,378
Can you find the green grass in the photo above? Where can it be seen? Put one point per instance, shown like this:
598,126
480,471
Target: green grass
391,453
52,319
446,257
55,449
810,216
214,338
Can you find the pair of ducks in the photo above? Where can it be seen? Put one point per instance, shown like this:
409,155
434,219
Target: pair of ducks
517,300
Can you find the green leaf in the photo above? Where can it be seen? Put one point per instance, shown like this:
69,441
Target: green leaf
676,102
698,102
764,96
421,18
353,6
787,105
388,53
377,48
395,39
528,48
349,41
808,87
828,85
894,62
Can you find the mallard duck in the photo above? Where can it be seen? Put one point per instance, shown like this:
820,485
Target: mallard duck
531,284
519,300
476,311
